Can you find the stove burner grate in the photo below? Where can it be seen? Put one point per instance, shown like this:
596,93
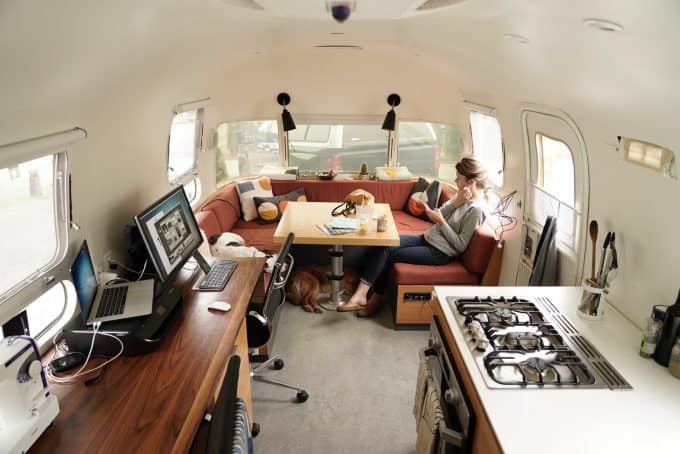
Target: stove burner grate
557,367
500,311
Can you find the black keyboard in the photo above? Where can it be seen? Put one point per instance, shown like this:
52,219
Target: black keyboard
218,276
113,301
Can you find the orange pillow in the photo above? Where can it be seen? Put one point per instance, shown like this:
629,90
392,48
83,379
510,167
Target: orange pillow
270,209
423,193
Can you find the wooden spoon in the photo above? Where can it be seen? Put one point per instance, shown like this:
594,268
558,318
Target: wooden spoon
593,238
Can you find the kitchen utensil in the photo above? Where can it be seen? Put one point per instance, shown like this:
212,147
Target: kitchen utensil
591,306
602,257
593,237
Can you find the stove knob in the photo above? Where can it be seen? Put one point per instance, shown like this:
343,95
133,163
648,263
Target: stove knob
452,397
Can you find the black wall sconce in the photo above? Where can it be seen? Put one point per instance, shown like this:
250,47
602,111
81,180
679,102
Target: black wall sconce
286,118
390,118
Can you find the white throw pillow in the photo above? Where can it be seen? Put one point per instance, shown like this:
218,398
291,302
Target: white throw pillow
247,189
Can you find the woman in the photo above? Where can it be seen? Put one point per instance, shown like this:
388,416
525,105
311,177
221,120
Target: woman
454,224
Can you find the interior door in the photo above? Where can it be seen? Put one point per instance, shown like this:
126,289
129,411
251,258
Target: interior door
551,129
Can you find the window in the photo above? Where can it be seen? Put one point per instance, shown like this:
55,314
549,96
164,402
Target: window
555,168
244,148
429,149
193,190
651,156
487,144
186,131
343,147
28,203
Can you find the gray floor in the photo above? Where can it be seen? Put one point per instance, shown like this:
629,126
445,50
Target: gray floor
360,374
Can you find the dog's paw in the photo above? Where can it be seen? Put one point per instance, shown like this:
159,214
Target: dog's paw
317,309
307,308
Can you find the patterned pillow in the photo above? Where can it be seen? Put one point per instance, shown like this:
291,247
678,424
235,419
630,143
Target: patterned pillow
248,189
423,192
270,209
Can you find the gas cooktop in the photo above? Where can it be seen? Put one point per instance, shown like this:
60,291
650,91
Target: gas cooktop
528,343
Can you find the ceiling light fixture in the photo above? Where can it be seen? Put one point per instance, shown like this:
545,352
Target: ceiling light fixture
286,118
391,117
602,24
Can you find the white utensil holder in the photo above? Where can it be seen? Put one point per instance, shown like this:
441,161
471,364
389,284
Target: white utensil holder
591,306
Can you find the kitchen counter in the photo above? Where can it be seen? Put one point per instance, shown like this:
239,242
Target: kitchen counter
550,420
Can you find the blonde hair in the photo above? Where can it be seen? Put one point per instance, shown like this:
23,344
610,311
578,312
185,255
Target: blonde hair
472,169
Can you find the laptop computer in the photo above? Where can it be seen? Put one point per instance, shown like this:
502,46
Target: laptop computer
104,303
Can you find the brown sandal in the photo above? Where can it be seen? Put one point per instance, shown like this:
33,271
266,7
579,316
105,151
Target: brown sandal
349,307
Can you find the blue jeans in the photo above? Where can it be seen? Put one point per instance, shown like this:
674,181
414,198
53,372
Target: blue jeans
412,249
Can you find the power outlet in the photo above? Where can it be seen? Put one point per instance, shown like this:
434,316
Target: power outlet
106,262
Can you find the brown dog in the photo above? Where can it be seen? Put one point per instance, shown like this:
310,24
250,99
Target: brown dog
308,282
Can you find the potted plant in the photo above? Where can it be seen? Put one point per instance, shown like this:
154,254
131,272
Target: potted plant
363,173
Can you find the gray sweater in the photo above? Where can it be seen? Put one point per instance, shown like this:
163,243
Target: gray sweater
453,237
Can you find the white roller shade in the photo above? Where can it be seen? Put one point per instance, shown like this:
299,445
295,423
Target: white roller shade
26,150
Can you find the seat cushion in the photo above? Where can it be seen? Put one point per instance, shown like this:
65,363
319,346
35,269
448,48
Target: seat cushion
257,235
409,225
453,273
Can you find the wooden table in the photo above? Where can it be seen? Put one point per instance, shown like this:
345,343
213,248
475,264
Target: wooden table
155,402
303,219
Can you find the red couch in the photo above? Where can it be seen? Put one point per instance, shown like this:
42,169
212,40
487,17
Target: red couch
480,264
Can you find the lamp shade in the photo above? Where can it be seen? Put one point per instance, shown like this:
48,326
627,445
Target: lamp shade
391,116
390,120
286,118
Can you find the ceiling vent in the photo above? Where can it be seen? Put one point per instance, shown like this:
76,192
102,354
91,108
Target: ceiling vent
249,4
339,46
436,4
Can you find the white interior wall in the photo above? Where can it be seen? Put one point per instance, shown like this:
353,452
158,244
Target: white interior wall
117,70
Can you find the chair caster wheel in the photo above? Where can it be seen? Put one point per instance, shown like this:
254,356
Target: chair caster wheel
302,396
255,430
278,364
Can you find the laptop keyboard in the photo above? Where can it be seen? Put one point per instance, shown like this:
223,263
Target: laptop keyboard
218,276
113,301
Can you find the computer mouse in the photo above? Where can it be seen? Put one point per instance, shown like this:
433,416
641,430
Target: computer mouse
219,306
67,362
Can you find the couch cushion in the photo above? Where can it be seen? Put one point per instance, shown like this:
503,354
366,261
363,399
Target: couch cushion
478,253
453,273
409,225
257,235
270,209
247,189
423,192
207,221
395,193
225,205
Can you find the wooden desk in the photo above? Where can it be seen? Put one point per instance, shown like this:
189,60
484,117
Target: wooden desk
302,218
155,402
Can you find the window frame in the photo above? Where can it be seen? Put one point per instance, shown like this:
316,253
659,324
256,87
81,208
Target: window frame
20,296
190,173
540,171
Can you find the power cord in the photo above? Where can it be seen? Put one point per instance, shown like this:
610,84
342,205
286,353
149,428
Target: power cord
506,222
74,378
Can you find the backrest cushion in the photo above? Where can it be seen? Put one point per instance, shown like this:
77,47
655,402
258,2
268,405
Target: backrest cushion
478,253
270,209
423,193
247,189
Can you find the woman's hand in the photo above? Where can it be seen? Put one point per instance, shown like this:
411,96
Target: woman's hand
435,215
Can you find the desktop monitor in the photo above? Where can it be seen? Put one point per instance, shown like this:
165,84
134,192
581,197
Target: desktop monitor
170,232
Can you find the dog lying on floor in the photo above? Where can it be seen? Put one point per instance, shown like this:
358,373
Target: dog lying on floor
308,282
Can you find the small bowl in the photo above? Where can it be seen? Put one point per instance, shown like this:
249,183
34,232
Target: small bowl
325,176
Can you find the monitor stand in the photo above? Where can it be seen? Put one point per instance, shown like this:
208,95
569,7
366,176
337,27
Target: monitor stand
202,262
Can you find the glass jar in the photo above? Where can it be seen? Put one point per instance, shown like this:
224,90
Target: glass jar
674,361
650,337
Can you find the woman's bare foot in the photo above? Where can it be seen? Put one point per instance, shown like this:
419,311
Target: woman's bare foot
358,299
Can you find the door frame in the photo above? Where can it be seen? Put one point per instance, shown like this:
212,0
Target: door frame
580,237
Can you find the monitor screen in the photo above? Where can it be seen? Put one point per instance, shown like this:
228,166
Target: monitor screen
84,280
170,232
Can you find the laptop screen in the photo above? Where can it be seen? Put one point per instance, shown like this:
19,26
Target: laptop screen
84,280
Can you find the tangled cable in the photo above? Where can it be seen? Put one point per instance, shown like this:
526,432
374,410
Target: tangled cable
505,221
